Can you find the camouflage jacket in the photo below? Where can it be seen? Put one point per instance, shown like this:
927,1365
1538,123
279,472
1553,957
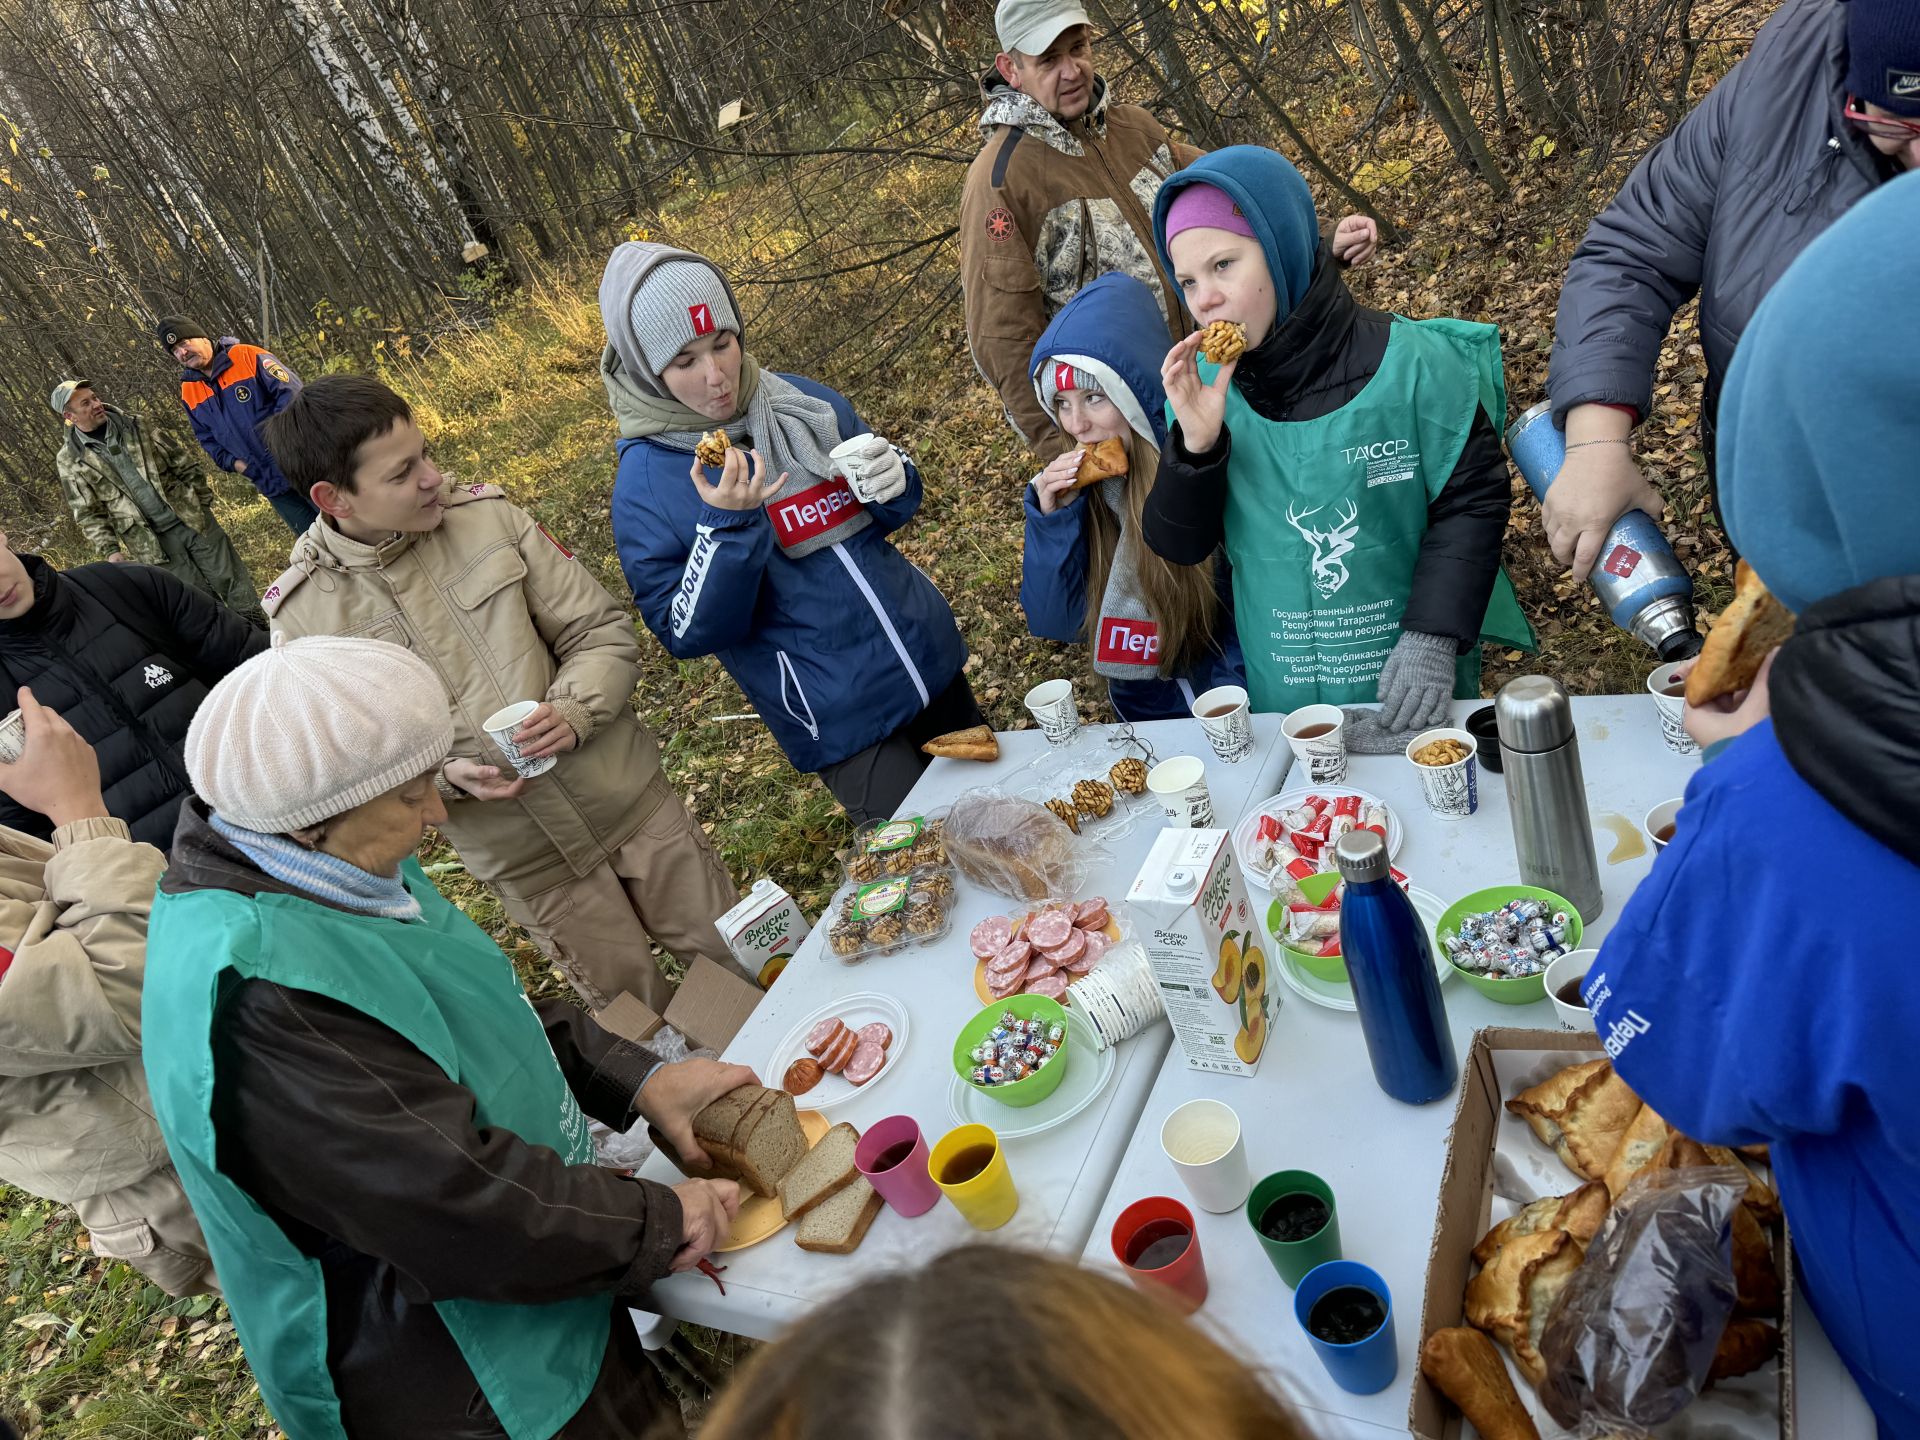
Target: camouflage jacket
111,518
1049,206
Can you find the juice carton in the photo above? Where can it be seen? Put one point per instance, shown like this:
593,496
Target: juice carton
764,930
1203,943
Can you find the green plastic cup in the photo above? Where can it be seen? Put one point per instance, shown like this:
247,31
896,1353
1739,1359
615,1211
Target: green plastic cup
1293,1259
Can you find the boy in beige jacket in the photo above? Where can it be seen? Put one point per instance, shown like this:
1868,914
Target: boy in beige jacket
598,854
76,1119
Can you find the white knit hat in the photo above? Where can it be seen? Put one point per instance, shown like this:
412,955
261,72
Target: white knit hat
313,728
675,305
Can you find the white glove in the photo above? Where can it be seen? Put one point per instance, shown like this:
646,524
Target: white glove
883,473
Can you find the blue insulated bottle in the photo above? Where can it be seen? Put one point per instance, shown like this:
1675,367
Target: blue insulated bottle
1390,965
1644,586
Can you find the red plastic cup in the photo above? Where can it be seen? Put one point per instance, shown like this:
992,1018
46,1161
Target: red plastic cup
1145,1232
904,1182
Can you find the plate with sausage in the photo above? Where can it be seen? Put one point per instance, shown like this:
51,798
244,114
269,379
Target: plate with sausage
841,1049
1041,951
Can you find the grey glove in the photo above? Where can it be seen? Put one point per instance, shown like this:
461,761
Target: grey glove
1367,736
1416,683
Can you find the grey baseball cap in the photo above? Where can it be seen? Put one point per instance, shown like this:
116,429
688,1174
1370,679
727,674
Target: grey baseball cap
1030,26
63,392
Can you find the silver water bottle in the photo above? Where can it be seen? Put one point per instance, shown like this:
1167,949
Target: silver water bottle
1546,792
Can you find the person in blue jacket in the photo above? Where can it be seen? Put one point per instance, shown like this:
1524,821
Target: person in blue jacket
1760,986
229,391
770,560
1161,634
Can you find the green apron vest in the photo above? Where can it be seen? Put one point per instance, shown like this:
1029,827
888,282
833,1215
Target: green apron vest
1324,518
441,983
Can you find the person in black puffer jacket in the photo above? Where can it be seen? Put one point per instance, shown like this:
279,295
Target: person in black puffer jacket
125,653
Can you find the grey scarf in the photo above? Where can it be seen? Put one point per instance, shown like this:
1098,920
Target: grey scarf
1128,640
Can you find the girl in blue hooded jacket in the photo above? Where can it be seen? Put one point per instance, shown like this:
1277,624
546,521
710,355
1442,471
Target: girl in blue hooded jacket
769,560
1160,634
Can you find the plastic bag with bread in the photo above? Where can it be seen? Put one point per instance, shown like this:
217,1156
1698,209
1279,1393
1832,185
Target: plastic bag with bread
1740,641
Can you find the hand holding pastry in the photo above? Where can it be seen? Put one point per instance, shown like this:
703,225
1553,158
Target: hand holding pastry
1054,486
1200,408
742,485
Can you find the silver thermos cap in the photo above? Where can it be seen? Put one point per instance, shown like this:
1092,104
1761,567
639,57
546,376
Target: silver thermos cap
1534,715
1361,855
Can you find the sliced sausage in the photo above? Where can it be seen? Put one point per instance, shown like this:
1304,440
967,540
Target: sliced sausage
1049,931
1010,984
822,1035
990,935
1097,947
875,1034
866,1062
1093,919
840,1052
1087,909
1051,986
1068,950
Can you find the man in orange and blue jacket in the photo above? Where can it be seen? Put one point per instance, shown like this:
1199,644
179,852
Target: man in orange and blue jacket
229,390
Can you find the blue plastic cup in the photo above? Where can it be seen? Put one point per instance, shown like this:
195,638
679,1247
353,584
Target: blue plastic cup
1368,1365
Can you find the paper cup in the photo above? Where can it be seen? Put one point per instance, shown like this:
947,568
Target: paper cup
987,1199
1658,823
1053,709
1565,969
850,461
1673,708
1224,713
1181,1280
1366,1366
1180,785
500,727
13,737
906,1185
1323,754
1202,1139
1452,791
1292,1259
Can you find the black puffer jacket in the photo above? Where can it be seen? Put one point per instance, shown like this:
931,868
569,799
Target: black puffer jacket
1721,207
1315,361
126,653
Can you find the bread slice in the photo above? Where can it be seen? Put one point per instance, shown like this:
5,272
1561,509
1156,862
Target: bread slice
975,743
1102,461
823,1171
1740,641
839,1223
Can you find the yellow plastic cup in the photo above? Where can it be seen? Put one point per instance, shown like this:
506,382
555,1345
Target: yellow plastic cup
986,1198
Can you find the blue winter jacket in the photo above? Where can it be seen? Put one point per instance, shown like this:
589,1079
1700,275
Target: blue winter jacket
1117,321
227,403
836,650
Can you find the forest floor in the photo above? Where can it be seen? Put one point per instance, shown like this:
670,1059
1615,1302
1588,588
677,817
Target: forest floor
88,1349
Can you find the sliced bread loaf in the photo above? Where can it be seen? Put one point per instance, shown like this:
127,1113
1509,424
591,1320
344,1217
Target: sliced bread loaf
838,1224
823,1171
752,1135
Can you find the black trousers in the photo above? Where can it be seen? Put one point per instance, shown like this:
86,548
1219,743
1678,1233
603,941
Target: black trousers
871,784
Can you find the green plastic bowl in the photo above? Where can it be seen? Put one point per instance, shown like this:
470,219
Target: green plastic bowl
1322,967
1037,1086
1529,988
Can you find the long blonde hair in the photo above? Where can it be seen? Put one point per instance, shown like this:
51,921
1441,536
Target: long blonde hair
1181,598
919,1355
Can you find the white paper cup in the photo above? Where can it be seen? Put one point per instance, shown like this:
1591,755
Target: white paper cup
1323,755
1180,785
1452,791
1051,703
13,737
1658,819
850,459
1673,709
1573,965
1230,730
1202,1140
500,727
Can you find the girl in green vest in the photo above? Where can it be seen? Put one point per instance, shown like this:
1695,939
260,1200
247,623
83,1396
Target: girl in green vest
1349,460
385,1142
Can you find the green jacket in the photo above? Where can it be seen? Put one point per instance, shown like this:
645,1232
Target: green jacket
110,517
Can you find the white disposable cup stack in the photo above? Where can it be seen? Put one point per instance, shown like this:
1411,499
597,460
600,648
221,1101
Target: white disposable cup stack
1202,1140
500,727
1118,999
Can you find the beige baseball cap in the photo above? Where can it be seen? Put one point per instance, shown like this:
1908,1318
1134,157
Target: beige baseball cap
1030,26
63,392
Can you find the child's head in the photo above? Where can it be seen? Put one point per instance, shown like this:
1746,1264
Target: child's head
672,319
1238,233
1088,406
350,446
1073,1353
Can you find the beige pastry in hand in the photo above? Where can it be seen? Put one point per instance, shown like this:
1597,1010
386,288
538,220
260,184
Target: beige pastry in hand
712,449
1223,340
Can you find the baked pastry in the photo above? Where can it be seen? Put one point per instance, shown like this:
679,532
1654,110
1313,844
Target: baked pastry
1755,1276
712,449
1464,1366
1223,341
846,938
864,868
1761,1199
1740,640
1511,1297
1745,1346
1583,1112
1101,461
1129,775
1069,816
975,743
1093,797
1580,1213
887,929
1650,1145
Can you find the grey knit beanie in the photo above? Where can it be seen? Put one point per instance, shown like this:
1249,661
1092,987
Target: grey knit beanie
312,728
675,305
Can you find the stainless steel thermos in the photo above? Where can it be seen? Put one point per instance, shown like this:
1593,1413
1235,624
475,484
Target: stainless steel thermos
1546,792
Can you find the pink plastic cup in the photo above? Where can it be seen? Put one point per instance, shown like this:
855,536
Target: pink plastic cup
893,1156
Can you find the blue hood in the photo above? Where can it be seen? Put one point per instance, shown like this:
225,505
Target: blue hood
1117,321
1276,203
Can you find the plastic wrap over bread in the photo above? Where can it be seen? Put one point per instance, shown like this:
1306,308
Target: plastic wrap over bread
1014,847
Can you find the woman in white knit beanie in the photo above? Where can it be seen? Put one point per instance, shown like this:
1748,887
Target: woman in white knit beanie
380,1135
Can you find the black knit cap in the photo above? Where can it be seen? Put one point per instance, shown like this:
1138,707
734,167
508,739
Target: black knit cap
172,329
1883,54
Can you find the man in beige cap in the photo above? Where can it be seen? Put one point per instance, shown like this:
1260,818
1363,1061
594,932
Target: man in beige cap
1063,193
138,496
